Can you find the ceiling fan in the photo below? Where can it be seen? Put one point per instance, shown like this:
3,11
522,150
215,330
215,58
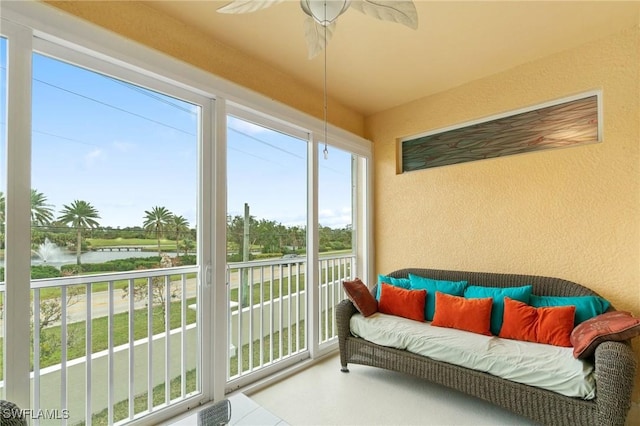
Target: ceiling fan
320,22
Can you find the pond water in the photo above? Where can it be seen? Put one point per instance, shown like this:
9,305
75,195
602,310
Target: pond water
50,254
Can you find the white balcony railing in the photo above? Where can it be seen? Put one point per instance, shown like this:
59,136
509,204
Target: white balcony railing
333,270
103,354
269,326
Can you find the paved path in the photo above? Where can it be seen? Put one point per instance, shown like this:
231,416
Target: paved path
77,311
100,300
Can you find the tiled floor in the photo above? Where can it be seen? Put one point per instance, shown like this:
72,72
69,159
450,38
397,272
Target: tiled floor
322,395
244,412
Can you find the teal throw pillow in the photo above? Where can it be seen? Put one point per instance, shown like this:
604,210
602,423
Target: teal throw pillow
454,288
498,294
398,282
586,306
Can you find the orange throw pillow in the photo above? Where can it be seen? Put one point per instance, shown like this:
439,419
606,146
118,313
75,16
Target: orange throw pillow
552,326
472,315
401,302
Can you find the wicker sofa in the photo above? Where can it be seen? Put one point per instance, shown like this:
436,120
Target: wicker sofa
614,361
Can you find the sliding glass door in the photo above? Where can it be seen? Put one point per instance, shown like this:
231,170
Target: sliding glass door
282,287
124,292
114,271
111,175
266,244
336,236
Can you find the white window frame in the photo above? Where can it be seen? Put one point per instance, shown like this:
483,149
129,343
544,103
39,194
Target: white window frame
18,214
18,298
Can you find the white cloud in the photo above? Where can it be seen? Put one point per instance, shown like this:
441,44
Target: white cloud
93,157
334,219
246,127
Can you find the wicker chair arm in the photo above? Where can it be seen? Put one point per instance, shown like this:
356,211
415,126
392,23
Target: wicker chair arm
344,311
11,415
615,367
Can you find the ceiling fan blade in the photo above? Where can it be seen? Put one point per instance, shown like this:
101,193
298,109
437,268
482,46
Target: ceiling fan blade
314,33
402,12
246,6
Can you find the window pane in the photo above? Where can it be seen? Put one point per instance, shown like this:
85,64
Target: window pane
267,190
114,184
335,200
122,155
335,232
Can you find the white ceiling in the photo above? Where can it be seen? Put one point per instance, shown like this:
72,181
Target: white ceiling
374,65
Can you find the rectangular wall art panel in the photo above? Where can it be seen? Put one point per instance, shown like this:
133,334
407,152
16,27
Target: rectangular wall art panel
560,124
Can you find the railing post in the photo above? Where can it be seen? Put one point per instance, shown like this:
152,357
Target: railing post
150,344
131,349
36,349
110,372
88,355
167,338
63,351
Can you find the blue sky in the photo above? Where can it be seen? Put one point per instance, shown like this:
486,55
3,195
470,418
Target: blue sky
125,149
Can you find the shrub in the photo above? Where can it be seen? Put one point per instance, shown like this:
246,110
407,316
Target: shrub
38,272
44,271
188,259
237,257
267,255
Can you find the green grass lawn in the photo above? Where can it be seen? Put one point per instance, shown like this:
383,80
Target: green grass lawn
100,329
140,402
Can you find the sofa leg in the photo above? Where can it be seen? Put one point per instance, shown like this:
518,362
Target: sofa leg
344,369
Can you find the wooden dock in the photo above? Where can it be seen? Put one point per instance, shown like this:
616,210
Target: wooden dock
120,248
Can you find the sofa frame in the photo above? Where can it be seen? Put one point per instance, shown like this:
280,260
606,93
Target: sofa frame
614,362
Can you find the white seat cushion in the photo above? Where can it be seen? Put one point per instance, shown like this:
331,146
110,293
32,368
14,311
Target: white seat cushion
545,366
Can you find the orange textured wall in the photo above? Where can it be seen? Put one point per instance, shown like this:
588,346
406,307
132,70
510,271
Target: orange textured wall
572,213
147,26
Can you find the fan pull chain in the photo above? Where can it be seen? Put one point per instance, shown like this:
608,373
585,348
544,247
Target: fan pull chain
326,150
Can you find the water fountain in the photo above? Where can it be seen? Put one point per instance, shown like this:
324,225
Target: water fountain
48,251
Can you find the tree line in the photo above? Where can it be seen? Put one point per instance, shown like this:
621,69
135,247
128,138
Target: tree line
80,220
270,236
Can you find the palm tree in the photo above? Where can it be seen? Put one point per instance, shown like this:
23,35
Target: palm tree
156,220
187,244
80,215
179,226
41,212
